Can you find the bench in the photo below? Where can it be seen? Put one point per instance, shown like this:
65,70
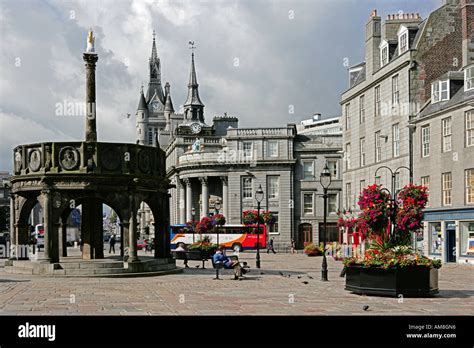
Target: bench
220,265
195,255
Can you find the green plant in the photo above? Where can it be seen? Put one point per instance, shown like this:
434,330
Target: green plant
312,249
204,243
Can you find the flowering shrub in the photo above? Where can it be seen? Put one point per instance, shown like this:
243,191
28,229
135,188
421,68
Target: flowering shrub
312,249
249,217
412,201
390,248
376,207
218,220
203,244
268,217
394,257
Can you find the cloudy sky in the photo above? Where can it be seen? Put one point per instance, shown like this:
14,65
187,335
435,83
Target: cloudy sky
258,60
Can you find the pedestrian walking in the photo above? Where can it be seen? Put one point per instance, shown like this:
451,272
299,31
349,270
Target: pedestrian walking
293,245
112,243
270,246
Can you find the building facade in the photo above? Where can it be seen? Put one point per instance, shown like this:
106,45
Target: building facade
403,55
218,161
444,157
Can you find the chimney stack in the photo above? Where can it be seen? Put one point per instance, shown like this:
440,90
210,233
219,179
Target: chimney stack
372,42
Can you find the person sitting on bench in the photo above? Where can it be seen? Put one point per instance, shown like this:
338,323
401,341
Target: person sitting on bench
182,247
220,257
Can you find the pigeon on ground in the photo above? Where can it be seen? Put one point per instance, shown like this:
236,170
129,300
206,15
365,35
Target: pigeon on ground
365,307
262,273
299,277
305,282
310,277
289,275
281,273
197,266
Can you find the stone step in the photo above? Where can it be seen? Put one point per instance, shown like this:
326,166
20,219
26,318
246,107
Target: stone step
18,270
91,265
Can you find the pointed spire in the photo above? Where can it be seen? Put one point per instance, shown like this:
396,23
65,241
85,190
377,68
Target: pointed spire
142,103
155,74
168,102
193,92
154,54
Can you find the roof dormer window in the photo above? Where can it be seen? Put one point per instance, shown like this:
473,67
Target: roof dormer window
469,78
383,53
402,39
439,91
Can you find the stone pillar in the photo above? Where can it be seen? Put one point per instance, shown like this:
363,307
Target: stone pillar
181,203
63,244
92,233
204,197
91,130
22,234
122,240
13,234
51,247
225,192
131,231
189,199
162,228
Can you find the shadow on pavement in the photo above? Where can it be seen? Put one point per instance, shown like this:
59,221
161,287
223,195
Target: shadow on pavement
455,293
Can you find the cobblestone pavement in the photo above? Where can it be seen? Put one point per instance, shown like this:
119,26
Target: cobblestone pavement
285,285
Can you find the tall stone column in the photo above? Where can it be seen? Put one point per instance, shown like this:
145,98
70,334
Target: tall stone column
225,192
51,247
182,203
132,232
13,234
87,230
91,130
22,233
204,197
98,228
63,244
122,240
189,199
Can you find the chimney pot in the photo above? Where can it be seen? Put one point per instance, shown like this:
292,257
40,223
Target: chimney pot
374,13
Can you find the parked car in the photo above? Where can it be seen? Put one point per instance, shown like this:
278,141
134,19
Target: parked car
141,245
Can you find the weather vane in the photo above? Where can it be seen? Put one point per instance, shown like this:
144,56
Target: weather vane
191,46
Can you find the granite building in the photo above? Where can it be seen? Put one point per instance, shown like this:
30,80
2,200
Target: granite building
403,56
443,155
217,160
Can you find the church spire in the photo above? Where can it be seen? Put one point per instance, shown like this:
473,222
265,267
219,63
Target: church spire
155,74
193,107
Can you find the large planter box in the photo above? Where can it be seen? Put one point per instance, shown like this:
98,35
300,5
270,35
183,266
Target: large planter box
406,281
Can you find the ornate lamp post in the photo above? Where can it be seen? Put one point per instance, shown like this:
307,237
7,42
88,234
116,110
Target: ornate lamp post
217,207
258,198
325,180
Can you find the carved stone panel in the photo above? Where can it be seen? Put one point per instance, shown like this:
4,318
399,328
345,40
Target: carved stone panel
69,158
34,160
144,161
110,158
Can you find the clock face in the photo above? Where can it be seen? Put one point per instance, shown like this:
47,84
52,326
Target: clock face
196,128
155,106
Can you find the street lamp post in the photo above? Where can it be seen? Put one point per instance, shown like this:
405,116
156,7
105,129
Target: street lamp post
193,213
258,198
217,207
393,194
325,180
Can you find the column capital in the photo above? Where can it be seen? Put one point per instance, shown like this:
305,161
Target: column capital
224,180
203,180
187,181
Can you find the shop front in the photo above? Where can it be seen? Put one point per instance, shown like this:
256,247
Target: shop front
449,235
